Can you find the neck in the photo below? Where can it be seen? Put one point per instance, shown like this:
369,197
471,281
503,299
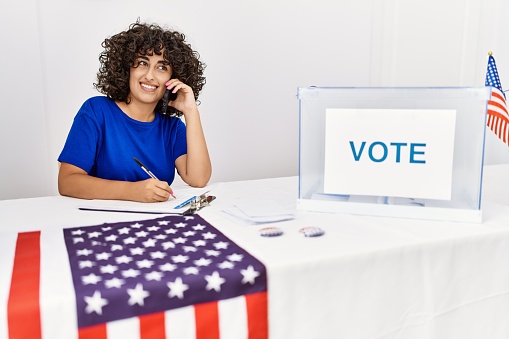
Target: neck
136,111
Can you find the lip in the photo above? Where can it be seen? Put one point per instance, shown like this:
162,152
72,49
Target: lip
148,87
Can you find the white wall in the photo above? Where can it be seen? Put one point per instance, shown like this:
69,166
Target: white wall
257,54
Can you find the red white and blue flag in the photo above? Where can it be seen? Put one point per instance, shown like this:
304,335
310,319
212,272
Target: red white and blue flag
171,277
498,117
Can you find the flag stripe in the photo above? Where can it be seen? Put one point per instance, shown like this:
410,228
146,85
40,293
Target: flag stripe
233,318
207,320
179,323
24,318
257,315
152,326
93,332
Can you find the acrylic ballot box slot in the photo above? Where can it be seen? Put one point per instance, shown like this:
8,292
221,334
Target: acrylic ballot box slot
397,152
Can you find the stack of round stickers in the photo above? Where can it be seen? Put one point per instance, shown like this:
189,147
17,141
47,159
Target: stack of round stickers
311,231
270,232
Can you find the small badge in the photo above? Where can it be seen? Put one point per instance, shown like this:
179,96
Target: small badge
270,232
312,231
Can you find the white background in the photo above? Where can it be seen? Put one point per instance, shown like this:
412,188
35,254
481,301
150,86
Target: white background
257,54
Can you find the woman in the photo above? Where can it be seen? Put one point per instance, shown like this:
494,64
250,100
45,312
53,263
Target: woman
108,132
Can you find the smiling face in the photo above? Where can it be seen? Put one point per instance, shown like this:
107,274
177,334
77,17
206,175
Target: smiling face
147,79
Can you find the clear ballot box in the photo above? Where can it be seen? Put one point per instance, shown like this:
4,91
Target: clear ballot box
397,152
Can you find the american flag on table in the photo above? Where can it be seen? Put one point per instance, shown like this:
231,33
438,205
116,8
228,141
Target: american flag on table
498,118
171,277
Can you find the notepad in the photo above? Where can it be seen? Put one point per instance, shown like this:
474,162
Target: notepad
172,206
258,212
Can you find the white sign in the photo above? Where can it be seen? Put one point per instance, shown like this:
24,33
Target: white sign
389,152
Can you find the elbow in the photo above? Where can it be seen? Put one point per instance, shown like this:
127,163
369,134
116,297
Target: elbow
199,181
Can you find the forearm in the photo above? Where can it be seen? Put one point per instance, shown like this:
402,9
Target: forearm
83,186
198,168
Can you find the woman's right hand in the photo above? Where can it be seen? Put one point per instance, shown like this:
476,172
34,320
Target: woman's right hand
151,190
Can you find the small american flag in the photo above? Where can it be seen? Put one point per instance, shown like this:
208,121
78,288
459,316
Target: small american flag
171,277
498,118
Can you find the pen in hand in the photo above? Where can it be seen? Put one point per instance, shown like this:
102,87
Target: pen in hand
143,167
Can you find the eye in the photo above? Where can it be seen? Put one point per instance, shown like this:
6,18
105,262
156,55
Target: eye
163,67
142,63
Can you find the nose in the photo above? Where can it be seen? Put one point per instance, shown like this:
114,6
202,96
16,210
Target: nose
149,75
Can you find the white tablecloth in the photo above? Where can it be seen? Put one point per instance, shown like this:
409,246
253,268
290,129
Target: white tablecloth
367,277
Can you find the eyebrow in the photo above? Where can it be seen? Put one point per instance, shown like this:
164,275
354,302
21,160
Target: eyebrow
164,61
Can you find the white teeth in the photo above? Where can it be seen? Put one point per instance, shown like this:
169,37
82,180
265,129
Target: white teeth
148,87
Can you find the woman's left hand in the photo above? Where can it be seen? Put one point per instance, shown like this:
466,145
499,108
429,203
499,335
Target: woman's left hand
185,100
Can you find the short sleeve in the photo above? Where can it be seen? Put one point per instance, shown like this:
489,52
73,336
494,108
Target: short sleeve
180,146
80,148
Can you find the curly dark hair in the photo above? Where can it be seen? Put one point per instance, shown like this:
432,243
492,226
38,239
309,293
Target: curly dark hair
122,50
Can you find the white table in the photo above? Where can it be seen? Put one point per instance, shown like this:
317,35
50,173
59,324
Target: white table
367,277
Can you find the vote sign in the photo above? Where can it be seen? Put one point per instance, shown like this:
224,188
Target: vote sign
389,152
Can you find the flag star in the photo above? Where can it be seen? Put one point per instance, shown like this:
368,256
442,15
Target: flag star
154,275
225,264
96,243
171,231
124,230
149,243
189,249
209,235
180,258
137,251
214,282
199,243
191,270
167,267
123,259
158,255
137,225
95,303
137,295
106,228
160,237
202,262
249,275
130,240
116,247
188,217
222,245
94,234
163,222
181,225
177,288
77,232
86,263
199,227
90,279
103,256
189,233
168,244
84,252
180,240
112,237
114,282
153,228
77,240
145,263
235,257
130,273
108,269
212,253
141,234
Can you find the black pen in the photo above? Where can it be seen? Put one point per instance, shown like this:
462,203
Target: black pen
152,175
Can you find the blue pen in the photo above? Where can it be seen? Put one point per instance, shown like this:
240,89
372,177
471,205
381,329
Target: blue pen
188,201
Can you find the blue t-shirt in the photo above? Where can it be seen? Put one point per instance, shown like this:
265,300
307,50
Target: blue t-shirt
103,141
